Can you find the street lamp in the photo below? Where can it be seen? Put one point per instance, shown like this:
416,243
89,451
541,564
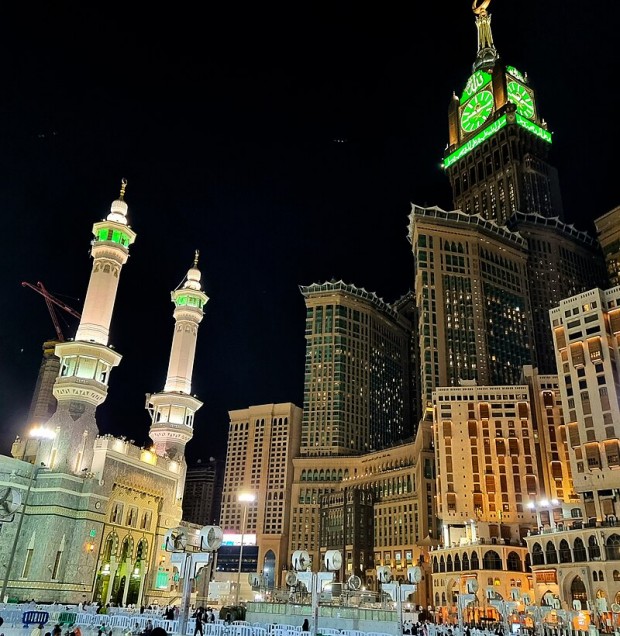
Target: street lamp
244,498
39,434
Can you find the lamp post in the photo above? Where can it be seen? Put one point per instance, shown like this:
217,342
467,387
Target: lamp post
38,434
245,498
190,551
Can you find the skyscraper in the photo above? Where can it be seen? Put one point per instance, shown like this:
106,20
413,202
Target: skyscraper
585,333
262,442
561,261
471,292
357,386
203,492
496,157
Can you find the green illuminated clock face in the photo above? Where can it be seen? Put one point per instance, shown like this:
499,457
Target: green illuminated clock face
519,96
477,111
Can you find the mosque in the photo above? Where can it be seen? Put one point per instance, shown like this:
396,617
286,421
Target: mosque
82,515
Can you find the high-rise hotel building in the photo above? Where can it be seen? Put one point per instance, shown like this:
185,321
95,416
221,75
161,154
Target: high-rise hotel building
357,386
471,293
576,558
356,417
262,442
586,335
487,472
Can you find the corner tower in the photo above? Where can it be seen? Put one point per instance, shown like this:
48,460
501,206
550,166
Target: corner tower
172,411
86,362
496,157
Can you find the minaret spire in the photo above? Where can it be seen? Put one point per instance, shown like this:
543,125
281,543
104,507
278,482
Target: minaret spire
86,362
172,411
487,54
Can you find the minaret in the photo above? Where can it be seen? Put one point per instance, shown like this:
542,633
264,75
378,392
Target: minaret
172,410
86,362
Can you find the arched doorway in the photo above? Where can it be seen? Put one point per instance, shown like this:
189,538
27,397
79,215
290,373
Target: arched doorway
578,592
269,569
118,589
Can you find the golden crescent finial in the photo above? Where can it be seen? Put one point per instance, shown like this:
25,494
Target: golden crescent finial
196,255
123,187
481,8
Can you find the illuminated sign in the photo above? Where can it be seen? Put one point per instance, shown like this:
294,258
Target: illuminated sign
489,131
534,129
475,83
235,539
513,71
474,142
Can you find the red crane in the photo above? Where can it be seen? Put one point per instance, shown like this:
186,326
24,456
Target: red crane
51,301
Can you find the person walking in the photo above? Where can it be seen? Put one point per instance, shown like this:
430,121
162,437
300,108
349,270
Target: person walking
199,616
305,626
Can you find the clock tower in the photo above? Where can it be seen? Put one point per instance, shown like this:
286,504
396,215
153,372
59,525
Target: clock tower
496,158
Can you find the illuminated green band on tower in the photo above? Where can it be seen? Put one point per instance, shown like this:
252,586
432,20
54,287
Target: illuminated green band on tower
116,236
192,301
534,128
489,131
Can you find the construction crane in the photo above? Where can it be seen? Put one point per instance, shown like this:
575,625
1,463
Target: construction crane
51,301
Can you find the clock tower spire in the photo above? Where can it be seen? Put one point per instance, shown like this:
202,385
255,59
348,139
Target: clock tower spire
487,54
498,143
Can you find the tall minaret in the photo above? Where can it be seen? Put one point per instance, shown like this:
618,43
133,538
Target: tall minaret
172,410
86,362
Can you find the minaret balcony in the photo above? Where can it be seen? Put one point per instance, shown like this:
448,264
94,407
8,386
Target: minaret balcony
80,389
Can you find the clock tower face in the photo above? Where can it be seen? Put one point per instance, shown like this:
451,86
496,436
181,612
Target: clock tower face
476,111
520,96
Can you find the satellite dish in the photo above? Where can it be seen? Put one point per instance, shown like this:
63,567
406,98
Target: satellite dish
333,560
414,574
175,540
10,501
354,582
384,573
300,560
211,538
291,579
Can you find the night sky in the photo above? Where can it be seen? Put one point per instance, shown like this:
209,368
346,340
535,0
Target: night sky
286,142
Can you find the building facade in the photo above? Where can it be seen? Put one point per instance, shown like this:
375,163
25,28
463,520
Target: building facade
357,385
608,232
203,492
562,261
576,557
262,442
471,291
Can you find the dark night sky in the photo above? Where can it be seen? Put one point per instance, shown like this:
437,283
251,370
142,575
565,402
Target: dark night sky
224,120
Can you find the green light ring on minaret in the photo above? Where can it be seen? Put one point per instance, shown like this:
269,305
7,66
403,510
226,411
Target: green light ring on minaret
184,299
112,232
116,236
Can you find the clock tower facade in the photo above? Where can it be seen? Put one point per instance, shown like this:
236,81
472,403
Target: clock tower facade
496,158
